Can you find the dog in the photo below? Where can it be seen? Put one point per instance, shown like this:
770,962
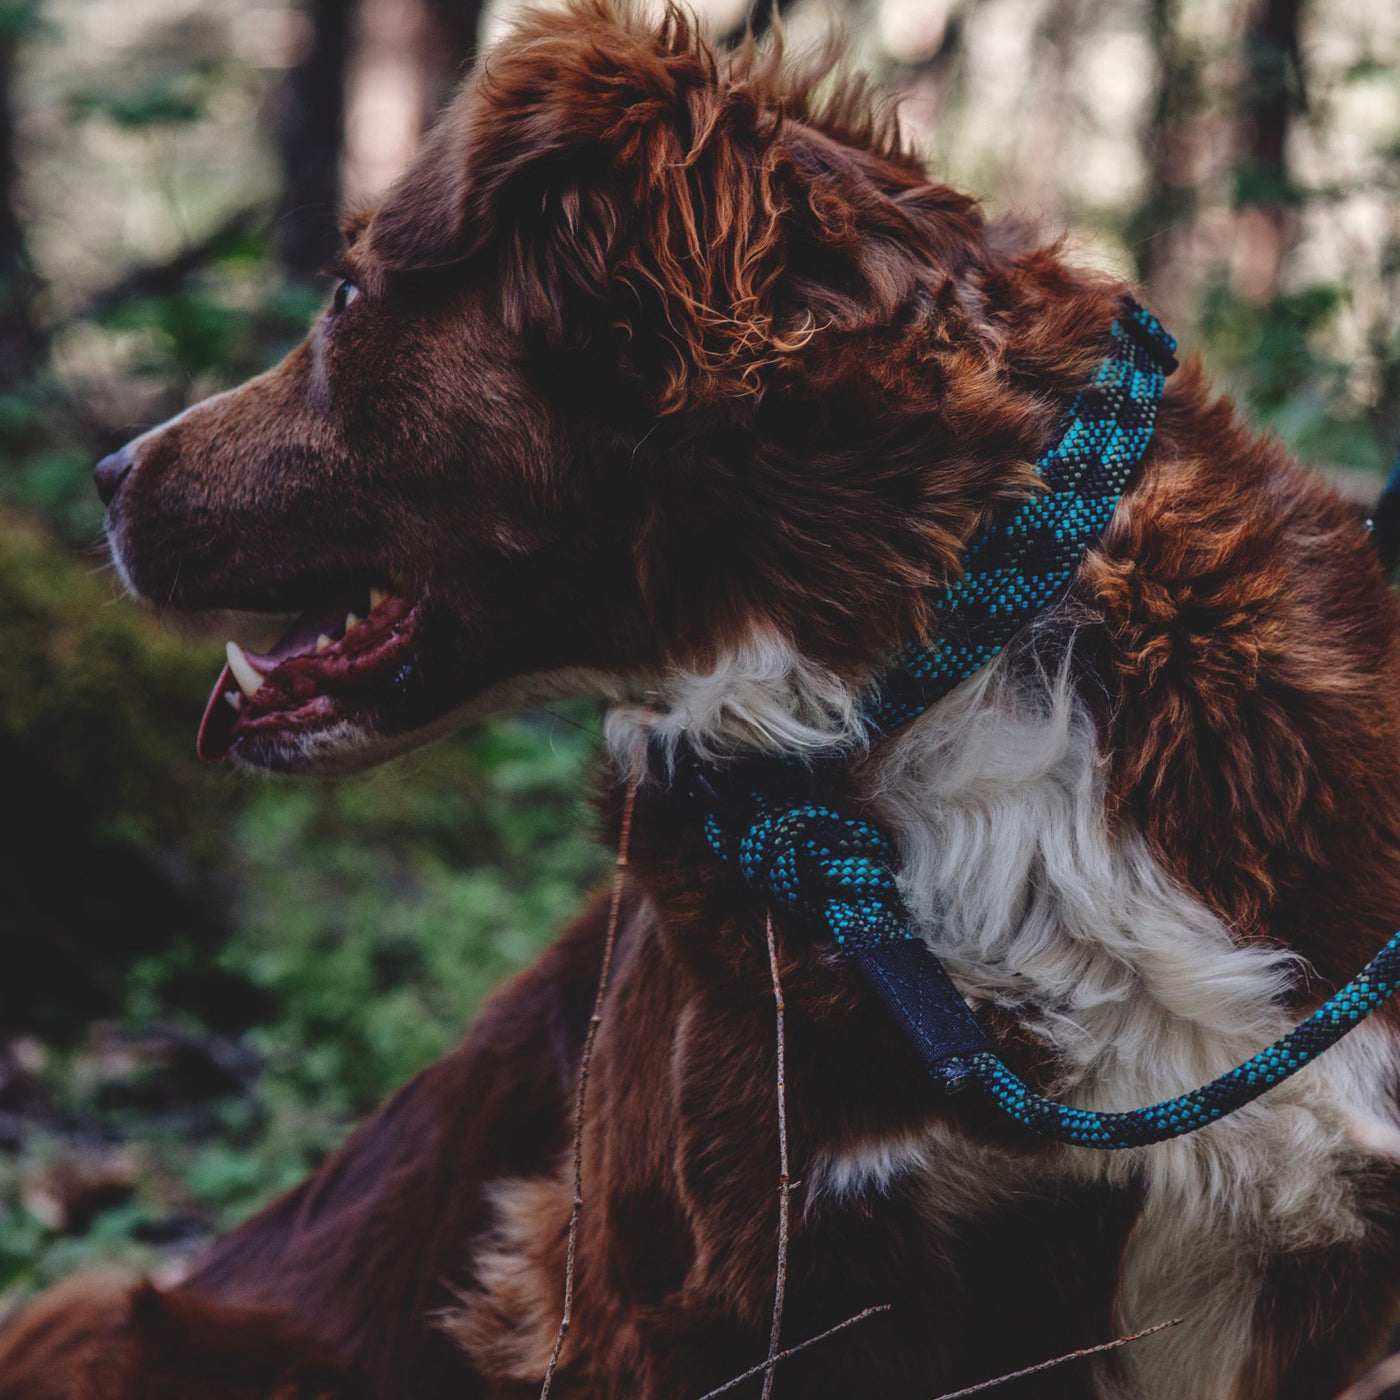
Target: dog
674,381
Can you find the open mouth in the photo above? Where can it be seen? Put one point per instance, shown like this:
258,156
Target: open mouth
336,666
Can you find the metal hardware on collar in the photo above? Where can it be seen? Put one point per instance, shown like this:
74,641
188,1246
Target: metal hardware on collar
1384,523
778,823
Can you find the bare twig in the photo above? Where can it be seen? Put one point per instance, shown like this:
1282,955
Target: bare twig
784,1176
1060,1360
767,1366
624,843
1376,1383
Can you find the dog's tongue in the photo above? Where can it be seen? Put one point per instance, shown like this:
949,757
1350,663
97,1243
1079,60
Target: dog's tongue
216,728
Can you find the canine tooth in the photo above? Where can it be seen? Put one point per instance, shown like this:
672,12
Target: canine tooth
351,621
235,698
243,672
376,596
322,642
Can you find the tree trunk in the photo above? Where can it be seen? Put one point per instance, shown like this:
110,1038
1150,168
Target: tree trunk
457,28
21,344
310,123
1264,195
1170,201
758,20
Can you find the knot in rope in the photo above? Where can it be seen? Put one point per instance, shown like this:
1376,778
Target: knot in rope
776,822
826,867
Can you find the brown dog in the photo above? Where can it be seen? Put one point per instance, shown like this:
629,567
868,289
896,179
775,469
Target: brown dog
654,376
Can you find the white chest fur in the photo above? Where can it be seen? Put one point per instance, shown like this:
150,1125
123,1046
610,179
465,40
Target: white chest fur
1034,901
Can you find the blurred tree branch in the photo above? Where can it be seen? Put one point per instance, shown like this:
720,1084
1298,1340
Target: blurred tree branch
161,278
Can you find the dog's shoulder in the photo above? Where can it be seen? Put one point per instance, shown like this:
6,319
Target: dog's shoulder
1244,647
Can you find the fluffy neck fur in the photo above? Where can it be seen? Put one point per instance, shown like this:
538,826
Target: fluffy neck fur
1040,907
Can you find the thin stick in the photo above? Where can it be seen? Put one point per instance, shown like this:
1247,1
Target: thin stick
784,1176
1376,1383
767,1366
624,843
1060,1360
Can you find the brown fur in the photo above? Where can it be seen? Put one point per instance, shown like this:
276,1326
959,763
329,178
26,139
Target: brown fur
95,1338
648,354
1251,653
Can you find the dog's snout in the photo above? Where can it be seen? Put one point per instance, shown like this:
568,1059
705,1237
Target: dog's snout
111,471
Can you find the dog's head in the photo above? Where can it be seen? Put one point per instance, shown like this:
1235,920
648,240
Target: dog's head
646,356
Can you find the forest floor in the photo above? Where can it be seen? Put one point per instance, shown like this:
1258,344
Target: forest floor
212,978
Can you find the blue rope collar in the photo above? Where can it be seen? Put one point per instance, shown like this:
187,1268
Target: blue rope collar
778,825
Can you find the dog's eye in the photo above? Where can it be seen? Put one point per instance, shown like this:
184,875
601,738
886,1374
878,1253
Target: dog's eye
344,295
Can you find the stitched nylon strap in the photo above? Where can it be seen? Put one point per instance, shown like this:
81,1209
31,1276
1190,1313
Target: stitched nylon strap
930,1009
780,826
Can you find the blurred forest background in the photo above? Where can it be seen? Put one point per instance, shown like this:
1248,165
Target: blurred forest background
206,979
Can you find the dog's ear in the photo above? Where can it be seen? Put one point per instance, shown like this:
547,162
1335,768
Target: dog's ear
647,210
622,193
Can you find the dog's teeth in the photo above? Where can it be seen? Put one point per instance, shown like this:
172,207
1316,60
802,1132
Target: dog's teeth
376,596
235,698
243,672
351,621
322,642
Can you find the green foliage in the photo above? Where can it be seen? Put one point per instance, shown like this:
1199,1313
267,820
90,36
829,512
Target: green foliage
1278,356
95,693
193,329
268,959
1254,185
230,319
40,465
224,974
18,18
485,844
174,96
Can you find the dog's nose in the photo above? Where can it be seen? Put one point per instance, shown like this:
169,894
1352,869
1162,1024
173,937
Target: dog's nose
110,472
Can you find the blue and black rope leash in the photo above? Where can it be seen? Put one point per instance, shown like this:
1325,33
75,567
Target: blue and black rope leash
768,819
